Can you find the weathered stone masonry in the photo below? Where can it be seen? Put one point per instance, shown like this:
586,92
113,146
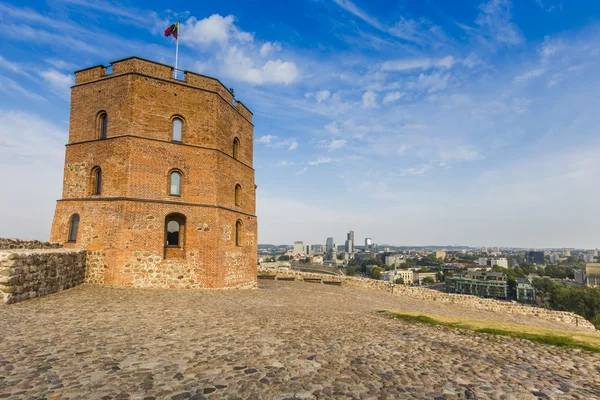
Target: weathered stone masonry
6,243
27,274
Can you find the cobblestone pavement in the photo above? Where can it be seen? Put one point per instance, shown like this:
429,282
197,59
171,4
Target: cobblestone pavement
286,340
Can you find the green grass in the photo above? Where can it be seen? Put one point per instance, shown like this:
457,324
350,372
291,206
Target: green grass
589,341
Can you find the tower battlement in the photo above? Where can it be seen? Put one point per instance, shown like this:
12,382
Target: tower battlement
141,66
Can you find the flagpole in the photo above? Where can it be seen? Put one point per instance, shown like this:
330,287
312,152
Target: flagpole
177,46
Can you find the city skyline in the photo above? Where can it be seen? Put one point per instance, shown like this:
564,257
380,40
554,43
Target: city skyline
413,122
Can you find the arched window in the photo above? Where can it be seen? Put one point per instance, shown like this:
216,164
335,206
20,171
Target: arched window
177,129
102,125
73,228
236,148
238,233
175,184
238,195
96,180
173,229
174,232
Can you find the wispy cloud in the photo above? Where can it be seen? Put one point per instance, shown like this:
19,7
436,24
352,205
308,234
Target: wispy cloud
11,87
336,144
417,63
321,160
59,83
392,97
273,142
415,31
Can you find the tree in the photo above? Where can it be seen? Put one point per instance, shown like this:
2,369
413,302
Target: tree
428,280
376,273
351,270
440,276
399,281
285,258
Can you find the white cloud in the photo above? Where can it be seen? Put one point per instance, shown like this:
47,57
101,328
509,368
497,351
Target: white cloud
243,68
60,83
407,29
236,53
336,144
266,139
415,171
332,128
286,164
417,63
534,73
272,142
4,63
213,29
391,97
11,87
495,22
550,47
369,99
543,7
269,47
302,171
471,60
322,95
320,160
60,64
431,83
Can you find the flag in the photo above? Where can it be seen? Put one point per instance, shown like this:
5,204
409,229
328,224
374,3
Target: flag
173,30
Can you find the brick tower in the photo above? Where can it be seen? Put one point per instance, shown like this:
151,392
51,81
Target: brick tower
158,179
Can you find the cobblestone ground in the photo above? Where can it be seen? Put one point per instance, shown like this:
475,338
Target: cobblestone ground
286,340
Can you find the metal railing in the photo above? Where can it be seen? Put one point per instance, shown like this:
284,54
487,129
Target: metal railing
178,74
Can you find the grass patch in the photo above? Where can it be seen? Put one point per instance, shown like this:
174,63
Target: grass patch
589,341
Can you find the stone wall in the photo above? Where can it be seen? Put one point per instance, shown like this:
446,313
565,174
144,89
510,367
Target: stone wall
448,298
6,243
26,274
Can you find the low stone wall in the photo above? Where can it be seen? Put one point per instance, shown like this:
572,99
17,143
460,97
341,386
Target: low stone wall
448,298
26,274
6,243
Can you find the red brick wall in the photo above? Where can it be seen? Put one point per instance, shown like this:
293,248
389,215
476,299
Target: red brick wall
123,228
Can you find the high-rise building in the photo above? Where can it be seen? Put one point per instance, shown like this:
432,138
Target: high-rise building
368,243
536,257
350,242
329,244
298,247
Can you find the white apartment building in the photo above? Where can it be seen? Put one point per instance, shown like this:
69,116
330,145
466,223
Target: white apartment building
406,275
501,262
299,248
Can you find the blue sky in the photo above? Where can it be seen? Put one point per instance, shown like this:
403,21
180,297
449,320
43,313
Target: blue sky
410,122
